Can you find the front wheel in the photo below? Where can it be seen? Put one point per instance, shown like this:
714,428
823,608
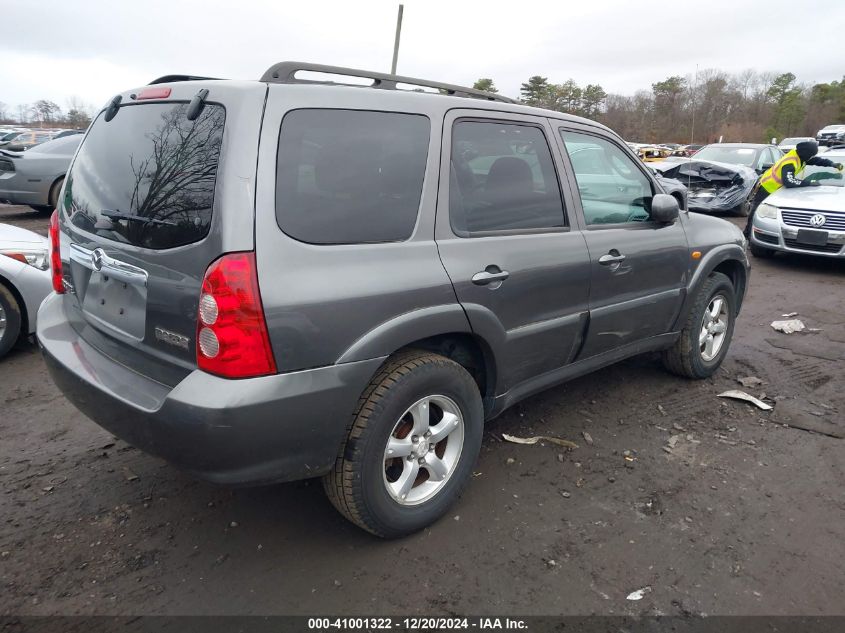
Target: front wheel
707,332
10,320
411,448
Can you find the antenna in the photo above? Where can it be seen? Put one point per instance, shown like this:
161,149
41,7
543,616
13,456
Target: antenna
692,126
396,39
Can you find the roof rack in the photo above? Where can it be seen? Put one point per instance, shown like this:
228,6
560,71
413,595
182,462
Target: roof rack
285,73
166,79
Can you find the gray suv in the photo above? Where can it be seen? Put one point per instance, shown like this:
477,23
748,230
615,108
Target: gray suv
263,281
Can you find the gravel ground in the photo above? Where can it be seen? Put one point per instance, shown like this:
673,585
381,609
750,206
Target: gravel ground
722,508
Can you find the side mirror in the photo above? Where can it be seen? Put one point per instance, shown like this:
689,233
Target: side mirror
664,208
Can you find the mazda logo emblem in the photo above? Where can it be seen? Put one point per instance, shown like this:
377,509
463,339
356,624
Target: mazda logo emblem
97,257
818,220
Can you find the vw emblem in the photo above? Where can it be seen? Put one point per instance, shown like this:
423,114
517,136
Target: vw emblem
818,220
97,257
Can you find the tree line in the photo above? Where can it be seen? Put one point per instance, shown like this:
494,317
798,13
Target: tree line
748,106
46,113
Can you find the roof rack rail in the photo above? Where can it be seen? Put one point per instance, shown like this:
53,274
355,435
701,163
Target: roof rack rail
285,73
166,79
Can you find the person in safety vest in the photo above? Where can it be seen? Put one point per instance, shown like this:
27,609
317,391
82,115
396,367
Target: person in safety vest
784,173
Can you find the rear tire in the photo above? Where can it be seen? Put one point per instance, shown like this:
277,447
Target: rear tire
10,320
707,332
53,198
760,251
414,399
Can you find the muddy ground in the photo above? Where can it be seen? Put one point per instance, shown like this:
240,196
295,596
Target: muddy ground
724,509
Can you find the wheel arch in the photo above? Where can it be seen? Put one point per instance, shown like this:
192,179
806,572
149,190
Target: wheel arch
729,260
471,352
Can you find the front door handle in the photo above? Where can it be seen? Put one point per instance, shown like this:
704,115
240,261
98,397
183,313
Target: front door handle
490,275
613,257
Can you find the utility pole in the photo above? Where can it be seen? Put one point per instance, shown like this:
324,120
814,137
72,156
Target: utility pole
396,41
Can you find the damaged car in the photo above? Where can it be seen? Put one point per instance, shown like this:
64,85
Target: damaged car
713,186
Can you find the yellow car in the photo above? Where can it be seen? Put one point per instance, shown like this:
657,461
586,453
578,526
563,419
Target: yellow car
652,154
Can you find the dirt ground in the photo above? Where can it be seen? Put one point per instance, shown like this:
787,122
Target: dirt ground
724,509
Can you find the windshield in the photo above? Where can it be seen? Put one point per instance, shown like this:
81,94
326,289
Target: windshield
732,155
147,176
826,175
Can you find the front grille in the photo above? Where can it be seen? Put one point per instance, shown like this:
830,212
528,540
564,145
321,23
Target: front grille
6,165
765,237
795,217
827,248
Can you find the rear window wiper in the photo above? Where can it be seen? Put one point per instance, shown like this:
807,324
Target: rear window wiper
131,217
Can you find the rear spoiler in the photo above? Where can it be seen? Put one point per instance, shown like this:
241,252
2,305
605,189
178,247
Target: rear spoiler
167,79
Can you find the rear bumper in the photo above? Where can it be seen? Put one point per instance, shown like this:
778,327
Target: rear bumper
234,432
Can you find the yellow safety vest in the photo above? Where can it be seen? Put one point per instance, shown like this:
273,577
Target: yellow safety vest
772,178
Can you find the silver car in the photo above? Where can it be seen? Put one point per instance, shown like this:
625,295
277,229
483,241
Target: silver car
24,282
35,177
804,219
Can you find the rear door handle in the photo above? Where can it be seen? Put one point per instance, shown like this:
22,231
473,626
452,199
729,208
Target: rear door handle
489,275
613,257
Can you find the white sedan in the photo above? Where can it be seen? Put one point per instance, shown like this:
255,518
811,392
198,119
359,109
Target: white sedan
24,282
808,220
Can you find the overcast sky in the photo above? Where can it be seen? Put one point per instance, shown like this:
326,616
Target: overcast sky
93,48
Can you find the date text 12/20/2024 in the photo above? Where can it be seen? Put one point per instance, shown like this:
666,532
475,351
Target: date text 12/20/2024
415,624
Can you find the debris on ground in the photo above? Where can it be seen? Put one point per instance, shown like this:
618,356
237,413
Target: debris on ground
789,326
587,438
130,476
639,593
749,381
789,315
736,394
539,438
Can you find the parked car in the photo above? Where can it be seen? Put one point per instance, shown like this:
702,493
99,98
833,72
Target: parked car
24,282
790,143
712,187
807,220
757,156
64,133
8,136
352,282
651,153
685,151
27,140
35,177
831,135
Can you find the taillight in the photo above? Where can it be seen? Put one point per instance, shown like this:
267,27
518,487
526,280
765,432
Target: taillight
232,339
56,254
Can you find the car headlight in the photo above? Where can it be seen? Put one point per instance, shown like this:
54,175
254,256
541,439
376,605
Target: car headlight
767,211
36,258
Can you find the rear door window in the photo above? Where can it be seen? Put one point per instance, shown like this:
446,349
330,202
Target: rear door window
502,178
350,176
147,177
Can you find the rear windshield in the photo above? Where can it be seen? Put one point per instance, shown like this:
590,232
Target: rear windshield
147,177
